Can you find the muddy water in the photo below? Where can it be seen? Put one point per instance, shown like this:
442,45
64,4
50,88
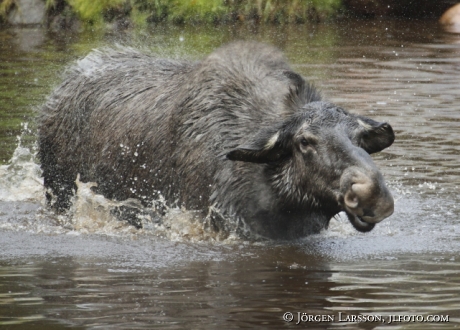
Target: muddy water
89,271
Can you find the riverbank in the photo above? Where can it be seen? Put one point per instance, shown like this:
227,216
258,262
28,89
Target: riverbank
143,12
71,14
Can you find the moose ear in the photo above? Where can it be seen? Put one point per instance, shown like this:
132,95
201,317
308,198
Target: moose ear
375,136
300,91
264,147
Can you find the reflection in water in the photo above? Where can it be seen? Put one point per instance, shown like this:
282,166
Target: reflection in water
455,28
28,39
58,272
247,290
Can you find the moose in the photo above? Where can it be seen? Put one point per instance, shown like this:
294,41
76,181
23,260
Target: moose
238,133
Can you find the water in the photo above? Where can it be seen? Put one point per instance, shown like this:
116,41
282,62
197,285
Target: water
90,271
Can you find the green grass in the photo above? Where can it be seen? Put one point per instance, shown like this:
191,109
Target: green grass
92,10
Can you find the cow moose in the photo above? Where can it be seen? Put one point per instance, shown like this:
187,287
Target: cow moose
238,133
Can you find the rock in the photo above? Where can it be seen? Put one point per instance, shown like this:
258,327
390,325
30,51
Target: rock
27,12
451,16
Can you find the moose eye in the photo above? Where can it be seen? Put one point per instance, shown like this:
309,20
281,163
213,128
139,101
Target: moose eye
308,144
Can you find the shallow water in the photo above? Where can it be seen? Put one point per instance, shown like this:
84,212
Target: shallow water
90,271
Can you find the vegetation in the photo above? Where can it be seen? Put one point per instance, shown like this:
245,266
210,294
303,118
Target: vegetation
192,11
5,6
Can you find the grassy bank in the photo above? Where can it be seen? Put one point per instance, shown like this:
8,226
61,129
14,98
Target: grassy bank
199,11
142,12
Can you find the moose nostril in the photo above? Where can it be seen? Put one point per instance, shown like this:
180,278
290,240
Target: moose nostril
365,196
362,189
351,199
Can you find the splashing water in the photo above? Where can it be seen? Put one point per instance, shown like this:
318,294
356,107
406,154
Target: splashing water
21,180
92,213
